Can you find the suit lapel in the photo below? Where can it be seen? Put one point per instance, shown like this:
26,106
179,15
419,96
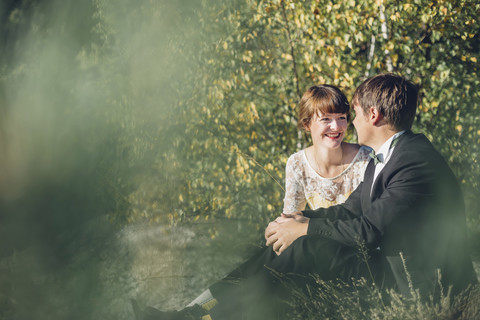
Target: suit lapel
377,189
367,182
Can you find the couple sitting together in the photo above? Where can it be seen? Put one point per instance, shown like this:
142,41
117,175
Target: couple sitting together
399,200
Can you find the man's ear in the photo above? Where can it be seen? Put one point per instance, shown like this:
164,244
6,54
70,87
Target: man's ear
374,115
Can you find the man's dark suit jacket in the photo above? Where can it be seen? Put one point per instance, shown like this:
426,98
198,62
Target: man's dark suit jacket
415,208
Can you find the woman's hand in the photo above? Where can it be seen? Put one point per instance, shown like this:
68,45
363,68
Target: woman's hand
284,230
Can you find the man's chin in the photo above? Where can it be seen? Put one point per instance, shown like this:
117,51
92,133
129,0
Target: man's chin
363,142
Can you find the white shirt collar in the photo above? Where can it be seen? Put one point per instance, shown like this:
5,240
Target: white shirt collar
385,150
384,154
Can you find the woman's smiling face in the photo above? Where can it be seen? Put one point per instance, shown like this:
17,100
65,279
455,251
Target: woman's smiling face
328,129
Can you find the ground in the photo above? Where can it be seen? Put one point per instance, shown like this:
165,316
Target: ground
158,265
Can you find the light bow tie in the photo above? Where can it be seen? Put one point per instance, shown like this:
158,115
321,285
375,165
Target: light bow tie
376,157
379,157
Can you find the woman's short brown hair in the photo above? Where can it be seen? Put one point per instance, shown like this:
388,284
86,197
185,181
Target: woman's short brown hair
322,98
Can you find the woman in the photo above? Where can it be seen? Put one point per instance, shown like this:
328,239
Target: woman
321,175
325,173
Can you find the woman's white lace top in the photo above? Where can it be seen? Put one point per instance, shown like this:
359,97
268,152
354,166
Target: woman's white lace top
304,185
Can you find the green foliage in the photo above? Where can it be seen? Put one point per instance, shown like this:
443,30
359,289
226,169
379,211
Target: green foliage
362,300
126,111
254,60
200,99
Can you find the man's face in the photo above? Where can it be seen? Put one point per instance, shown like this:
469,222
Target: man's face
361,124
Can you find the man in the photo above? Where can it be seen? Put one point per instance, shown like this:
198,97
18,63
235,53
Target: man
409,208
407,214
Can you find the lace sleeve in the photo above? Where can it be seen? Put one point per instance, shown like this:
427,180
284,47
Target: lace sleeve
294,200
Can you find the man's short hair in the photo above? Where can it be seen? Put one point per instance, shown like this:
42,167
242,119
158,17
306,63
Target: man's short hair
392,95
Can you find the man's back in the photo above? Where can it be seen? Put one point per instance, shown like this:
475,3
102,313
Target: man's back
413,214
429,229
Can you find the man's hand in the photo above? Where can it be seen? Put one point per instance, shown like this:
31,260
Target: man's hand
284,230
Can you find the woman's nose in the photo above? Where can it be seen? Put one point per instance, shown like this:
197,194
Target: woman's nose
334,124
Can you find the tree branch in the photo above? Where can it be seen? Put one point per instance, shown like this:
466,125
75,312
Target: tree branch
370,56
290,42
383,19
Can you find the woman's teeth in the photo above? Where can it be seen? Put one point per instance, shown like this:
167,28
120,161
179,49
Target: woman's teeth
331,135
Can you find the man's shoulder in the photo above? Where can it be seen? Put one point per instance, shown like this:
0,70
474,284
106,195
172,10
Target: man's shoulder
414,138
415,144
417,150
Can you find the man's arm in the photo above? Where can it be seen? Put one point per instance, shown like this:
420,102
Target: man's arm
287,228
404,200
